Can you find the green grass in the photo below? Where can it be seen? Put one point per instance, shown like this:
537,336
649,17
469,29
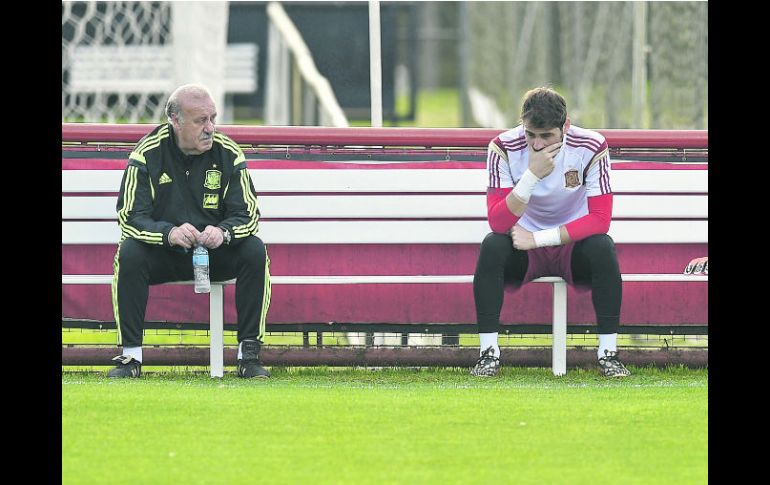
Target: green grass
437,108
389,426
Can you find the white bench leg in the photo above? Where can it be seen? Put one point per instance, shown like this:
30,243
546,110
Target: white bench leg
216,319
559,352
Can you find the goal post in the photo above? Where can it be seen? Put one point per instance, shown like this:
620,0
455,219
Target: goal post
121,60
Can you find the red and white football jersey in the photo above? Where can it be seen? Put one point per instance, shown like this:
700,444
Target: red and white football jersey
582,170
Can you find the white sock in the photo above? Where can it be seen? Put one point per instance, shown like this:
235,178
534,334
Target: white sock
135,352
488,340
240,352
607,341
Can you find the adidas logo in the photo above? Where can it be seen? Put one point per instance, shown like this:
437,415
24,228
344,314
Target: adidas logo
165,179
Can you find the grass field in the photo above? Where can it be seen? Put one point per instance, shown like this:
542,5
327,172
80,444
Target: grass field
387,426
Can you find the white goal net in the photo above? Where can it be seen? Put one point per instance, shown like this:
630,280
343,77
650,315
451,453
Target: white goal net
121,60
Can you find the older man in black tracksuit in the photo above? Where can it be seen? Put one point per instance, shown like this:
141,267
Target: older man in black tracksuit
187,185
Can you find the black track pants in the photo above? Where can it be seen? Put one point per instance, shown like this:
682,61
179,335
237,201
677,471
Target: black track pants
594,264
138,265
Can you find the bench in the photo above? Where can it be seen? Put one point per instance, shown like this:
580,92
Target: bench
357,219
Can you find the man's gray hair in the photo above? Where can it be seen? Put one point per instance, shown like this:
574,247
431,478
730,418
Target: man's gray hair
173,105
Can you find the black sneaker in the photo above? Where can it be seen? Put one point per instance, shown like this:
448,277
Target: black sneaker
610,366
488,365
249,364
127,367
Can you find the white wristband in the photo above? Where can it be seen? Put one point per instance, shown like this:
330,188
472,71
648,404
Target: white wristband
526,185
547,237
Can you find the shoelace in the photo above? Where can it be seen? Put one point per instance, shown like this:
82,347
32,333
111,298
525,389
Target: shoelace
487,358
613,362
125,360
250,361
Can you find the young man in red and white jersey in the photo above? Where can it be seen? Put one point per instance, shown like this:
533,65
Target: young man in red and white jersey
549,205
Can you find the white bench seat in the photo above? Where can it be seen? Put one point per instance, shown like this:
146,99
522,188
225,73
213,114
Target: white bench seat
216,322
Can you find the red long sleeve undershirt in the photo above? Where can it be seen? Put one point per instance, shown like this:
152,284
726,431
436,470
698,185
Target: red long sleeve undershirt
597,221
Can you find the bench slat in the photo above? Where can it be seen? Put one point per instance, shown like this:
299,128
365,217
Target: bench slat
403,232
406,206
379,279
455,180
394,180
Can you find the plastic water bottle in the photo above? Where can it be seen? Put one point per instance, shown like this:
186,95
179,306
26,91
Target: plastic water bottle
200,261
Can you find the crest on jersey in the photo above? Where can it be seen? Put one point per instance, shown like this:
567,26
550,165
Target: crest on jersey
213,179
210,201
571,179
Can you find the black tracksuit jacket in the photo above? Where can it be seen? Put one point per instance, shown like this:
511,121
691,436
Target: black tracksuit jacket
162,188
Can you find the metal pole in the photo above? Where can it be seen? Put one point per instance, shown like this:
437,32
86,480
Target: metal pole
375,63
639,66
464,55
